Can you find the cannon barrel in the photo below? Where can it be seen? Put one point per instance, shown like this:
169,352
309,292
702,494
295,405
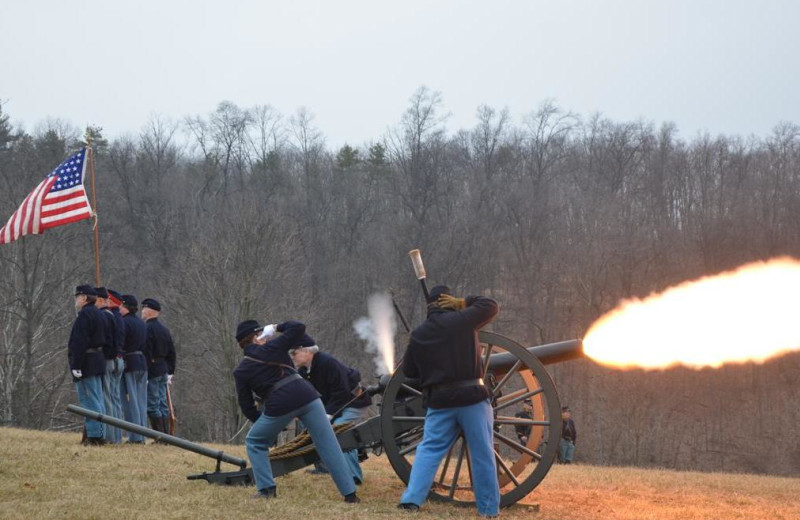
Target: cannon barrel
163,437
548,354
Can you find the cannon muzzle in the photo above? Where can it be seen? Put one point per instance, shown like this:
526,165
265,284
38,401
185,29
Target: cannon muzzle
159,436
548,354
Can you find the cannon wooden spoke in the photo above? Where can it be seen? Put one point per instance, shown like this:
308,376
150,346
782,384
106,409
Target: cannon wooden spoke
516,420
514,376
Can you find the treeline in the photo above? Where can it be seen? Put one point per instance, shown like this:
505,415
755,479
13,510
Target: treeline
246,213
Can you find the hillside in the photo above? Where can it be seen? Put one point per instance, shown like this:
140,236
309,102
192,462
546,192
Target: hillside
49,475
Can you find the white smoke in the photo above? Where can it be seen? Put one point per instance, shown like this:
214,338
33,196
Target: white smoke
378,331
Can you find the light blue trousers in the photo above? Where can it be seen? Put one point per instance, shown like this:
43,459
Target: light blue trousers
354,415
157,396
90,396
113,404
441,428
133,393
266,429
566,449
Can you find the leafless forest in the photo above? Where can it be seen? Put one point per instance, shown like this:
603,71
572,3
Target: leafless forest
248,213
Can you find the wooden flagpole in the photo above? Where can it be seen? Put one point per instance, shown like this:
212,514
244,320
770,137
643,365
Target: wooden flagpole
94,214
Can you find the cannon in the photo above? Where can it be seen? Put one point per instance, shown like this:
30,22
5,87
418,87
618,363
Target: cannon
512,373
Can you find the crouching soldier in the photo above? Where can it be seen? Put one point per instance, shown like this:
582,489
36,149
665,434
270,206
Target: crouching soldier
267,371
340,389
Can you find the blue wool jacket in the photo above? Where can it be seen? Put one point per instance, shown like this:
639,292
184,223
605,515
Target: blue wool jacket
331,378
87,333
445,349
120,329
257,378
135,341
111,347
160,349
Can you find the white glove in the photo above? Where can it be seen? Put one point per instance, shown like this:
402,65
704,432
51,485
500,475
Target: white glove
77,374
329,416
268,332
169,379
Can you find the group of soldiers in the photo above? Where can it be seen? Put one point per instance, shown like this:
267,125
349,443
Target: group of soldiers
121,364
283,368
283,376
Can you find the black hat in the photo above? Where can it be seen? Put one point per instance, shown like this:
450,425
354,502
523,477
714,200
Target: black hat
129,301
101,292
246,328
151,303
88,290
306,341
438,291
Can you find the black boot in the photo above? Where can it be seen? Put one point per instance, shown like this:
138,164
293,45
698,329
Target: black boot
352,498
270,492
155,422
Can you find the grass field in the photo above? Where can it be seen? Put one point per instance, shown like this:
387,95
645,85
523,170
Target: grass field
48,475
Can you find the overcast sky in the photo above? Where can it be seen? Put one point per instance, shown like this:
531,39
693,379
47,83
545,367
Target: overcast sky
721,66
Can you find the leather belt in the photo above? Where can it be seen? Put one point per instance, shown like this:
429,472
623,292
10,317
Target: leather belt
93,350
283,382
458,384
134,352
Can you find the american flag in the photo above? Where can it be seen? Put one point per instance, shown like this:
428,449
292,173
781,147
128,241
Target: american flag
59,199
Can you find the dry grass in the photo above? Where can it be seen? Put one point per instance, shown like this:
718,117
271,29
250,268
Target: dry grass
48,475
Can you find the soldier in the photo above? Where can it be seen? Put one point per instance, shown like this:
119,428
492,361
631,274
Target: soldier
160,367
444,354
86,359
569,435
112,350
134,380
267,371
340,389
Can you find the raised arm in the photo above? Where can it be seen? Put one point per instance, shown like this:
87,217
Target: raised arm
479,312
291,334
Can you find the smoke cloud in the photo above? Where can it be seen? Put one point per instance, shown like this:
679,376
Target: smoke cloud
378,331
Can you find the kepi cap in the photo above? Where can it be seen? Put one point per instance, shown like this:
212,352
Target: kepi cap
87,290
246,328
151,303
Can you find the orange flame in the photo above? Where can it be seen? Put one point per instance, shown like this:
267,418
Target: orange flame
749,314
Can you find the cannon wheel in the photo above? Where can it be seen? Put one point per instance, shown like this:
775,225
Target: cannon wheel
520,468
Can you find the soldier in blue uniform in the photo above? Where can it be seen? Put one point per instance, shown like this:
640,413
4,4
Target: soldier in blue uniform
160,367
340,389
112,350
86,359
134,380
267,372
445,356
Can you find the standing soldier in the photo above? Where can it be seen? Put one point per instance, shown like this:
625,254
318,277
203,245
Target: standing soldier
112,350
86,359
569,435
444,354
339,387
160,367
134,381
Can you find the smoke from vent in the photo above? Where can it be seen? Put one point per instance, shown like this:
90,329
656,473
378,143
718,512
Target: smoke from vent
378,331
